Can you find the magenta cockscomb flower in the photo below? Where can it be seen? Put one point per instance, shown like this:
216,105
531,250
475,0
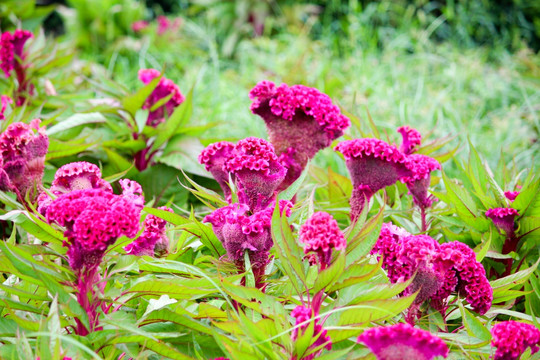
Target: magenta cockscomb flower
418,183
503,218
257,170
321,235
22,149
373,165
463,274
165,88
214,157
153,239
411,139
5,101
139,26
304,314
300,122
164,24
388,243
403,342
11,49
511,195
512,338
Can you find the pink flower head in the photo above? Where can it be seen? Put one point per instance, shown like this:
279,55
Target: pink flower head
164,24
213,157
139,26
257,171
79,175
132,190
503,218
165,88
11,49
418,183
403,342
153,238
512,338
373,165
388,243
303,314
5,100
411,139
22,149
511,195
297,117
94,219
321,234
463,274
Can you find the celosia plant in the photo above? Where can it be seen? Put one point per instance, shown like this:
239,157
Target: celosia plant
22,158
373,165
511,195
512,338
411,139
304,314
12,58
300,122
153,240
504,219
214,157
403,342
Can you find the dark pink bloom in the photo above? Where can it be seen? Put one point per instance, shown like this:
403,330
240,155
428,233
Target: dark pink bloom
512,338
213,157
418,183
164,24
22,152
257,171
300,122
303,314
411,139
165,88
93,219
140,25
511,195
132,191
5,101
503,218
153,239
403,342
388,243
11,49
373,165
321,235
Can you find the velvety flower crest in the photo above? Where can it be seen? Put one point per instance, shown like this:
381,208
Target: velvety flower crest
503,218
303,314
153,238
132,191
213,157
403,342
11,48
512,338
411,139
511,195
165,88
418,183
321,234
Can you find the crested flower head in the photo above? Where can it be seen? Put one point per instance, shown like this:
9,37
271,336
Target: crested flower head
132,191
139,25
511,195
257,171
503,218
418,183
304,314
388,243
512,338
5,100
11,49
94,219
165,88
297,117
321,234
373,165
213,157
153,238
411,139
403,342
22,149
164,24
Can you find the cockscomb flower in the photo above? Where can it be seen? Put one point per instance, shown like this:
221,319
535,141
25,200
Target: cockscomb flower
388,243
5,100
165,88
512,338
300,121
94,219
321,235
164,24
79,175
304,314
403,342
257,171
22,149
503,218
132,191
153,239
213,157
11,49
418,183
140,25
511,195
373,165
411,139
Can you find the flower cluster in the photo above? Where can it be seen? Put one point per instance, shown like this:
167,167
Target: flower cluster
11,59
321,235
153,239
512,338
164,24
22,158
300,122
503,218
213,157
511,195
304,314
421,167
403,342
411,139
166,88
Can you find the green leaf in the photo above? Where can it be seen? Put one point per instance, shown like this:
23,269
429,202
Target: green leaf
74,121
328,276
501,285
289,192
474,327
134,102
